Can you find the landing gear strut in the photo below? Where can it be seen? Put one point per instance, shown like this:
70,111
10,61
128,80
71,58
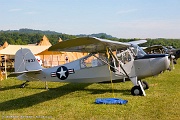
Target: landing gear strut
139,89
145,85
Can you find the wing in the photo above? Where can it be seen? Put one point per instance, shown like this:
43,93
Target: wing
138,42
87,44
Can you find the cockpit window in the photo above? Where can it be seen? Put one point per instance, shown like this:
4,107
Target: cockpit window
138,51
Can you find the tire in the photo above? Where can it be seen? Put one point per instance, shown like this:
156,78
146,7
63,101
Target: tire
145,85
136,90
23,85
174,61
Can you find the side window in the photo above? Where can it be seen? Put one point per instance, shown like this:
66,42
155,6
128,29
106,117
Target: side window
91,61
124,56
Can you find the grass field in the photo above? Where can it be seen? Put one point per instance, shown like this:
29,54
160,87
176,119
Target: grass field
76,101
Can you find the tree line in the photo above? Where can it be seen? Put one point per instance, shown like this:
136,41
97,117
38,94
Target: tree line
16,38
28,36
175,43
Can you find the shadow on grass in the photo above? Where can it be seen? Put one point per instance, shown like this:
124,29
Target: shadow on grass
34,99
52,93
97,91
9,87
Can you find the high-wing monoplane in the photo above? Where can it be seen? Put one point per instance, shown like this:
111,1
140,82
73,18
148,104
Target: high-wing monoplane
107,60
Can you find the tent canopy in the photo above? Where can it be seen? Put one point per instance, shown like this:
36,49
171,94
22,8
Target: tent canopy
46,52
4,45
44,42
12,49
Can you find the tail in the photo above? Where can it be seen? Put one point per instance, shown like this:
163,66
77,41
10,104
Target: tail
25,61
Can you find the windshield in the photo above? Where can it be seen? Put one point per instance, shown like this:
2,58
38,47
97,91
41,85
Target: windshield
138,51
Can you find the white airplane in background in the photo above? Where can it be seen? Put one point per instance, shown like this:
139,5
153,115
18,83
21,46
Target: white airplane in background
108,60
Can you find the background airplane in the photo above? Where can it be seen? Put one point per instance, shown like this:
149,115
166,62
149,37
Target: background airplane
174,54
108,60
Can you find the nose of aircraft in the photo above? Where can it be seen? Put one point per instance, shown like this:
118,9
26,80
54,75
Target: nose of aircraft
167,62
159,64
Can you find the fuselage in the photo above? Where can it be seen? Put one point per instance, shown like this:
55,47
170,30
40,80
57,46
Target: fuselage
151,65
76,72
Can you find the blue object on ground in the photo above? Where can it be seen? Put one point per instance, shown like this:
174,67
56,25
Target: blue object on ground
110,101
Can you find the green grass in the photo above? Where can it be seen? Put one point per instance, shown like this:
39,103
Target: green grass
76,101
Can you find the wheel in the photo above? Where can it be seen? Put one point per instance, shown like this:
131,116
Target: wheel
136,90
174,61
23,85
145,85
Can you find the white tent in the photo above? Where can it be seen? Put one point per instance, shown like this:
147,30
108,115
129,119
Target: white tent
12,49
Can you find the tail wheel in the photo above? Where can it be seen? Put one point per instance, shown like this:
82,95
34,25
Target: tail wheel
23,85
145,85
136,90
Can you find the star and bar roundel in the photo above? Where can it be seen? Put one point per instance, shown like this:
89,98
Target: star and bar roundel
62,73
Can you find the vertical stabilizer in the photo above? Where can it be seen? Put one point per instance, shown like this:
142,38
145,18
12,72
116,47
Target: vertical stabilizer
26,61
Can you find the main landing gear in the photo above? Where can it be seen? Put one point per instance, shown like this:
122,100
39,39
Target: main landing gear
136,90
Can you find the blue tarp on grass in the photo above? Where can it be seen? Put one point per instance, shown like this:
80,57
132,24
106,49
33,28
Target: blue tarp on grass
110,101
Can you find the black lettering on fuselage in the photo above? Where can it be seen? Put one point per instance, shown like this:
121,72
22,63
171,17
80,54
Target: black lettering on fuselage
30,60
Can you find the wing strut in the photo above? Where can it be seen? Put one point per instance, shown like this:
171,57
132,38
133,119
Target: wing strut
118,62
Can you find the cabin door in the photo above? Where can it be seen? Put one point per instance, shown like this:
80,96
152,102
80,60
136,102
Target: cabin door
125,61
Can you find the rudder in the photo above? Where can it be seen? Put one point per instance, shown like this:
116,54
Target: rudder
26,61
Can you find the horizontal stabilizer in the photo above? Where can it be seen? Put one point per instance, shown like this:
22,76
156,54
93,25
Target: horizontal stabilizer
15,74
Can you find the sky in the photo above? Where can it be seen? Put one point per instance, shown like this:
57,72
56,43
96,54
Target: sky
119,18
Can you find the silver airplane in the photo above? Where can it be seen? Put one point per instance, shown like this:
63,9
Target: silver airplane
107,60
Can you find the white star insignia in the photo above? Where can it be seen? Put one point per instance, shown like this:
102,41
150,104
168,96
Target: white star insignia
62,73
